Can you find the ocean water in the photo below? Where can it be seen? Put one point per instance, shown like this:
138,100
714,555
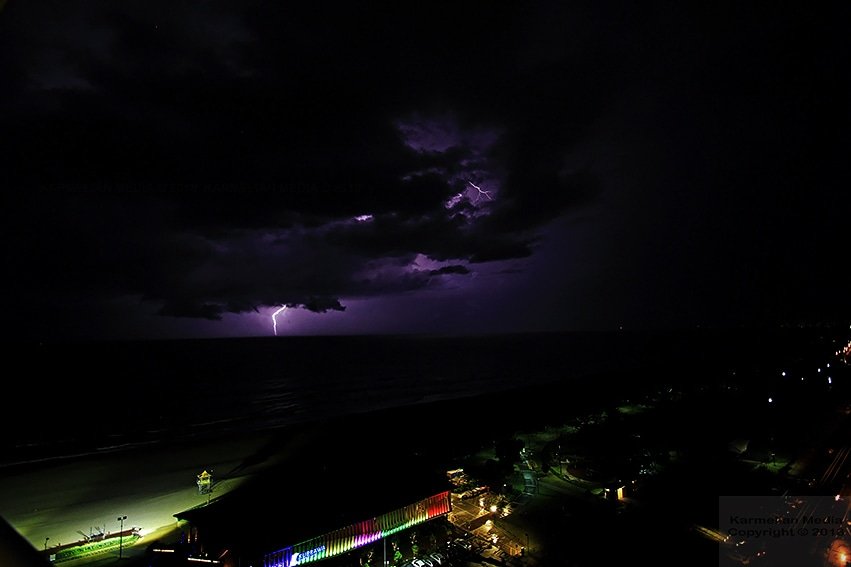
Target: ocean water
72,399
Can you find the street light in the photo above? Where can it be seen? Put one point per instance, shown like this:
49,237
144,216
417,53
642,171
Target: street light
45,543
121,535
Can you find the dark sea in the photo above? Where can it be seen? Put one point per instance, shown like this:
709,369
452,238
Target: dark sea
71,399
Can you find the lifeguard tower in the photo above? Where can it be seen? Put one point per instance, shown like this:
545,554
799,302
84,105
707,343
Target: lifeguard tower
205,483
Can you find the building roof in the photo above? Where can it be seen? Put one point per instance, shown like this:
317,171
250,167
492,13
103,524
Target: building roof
349,472
16,551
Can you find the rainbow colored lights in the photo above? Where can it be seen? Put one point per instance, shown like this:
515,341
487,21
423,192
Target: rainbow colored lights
360,534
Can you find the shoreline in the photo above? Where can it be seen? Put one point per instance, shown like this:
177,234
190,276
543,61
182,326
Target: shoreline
40,497
442,431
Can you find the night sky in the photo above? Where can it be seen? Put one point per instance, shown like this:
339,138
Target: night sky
183,169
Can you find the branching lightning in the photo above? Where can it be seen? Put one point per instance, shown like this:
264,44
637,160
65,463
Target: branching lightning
481,191
275,318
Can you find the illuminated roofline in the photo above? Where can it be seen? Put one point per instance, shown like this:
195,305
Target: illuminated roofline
361,533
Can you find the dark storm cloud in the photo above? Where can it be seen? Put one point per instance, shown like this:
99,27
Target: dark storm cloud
174,308
217,158
455,269
248,139
441,237
321,304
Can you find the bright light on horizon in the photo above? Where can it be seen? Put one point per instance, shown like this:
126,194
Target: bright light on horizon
275,318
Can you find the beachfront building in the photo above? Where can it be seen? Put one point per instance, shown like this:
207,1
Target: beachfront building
321,505
361,533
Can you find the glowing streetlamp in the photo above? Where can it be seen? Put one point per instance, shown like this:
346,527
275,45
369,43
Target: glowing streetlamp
121,535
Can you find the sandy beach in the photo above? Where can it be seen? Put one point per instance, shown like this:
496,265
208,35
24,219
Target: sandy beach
55,504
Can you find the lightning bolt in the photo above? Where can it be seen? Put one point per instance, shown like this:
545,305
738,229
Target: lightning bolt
480,190
275,318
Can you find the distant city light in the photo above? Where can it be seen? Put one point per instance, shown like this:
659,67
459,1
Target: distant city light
770,400
783,373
